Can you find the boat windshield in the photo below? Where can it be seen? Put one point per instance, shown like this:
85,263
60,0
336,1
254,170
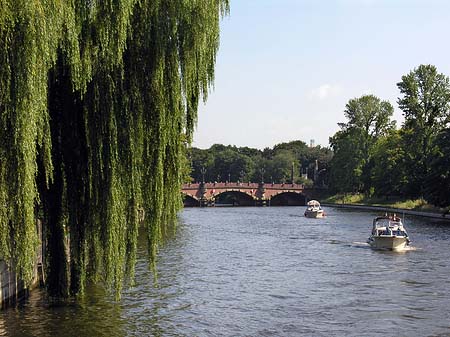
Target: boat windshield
387,222
388,226
381,222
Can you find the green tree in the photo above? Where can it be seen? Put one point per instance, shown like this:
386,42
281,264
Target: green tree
346,164
297,147
201,159
388,173
280,167
96,100
305,158
369,118
307,162
437,182
229,163
260,163
246,163
249,152
425,103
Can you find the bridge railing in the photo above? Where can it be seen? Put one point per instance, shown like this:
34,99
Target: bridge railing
243,185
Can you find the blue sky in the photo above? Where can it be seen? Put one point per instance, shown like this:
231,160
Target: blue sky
286,68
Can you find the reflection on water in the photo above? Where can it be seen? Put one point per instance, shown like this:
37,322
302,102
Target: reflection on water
265,272
90,316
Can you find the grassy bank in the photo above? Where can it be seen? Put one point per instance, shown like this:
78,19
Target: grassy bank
392,202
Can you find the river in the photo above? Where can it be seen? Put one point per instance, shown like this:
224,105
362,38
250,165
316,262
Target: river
265,272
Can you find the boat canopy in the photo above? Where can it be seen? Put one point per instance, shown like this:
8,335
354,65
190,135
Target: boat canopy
313,203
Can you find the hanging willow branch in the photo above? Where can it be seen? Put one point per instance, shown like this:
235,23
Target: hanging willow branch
96,100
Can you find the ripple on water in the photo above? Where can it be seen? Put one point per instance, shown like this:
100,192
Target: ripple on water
265,272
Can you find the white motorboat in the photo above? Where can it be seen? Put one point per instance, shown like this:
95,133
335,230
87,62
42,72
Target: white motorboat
314,210
388,233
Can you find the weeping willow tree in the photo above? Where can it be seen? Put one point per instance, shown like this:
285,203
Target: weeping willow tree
97,99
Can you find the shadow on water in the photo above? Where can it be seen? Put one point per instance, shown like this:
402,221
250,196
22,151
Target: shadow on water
96,313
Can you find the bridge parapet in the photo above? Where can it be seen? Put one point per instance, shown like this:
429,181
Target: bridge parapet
239,185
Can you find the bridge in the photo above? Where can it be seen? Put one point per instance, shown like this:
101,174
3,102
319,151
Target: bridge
245,194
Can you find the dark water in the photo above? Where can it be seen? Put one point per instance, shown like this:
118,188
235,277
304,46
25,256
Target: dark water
266,272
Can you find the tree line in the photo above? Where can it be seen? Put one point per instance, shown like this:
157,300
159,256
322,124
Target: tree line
372,156
289,162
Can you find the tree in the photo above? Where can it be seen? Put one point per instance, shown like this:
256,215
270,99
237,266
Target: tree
305,158
260,163
96,98
346,164
425,103
369,118
370,115
246,163
280,167
296,147
388,173
437,182
229,163
201,159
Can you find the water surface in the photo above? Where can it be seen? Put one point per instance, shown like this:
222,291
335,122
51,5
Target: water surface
266,272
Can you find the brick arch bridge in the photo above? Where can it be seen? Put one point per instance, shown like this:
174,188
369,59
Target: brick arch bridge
246,194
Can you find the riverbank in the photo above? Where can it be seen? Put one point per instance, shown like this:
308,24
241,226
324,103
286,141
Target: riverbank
395,205
399,211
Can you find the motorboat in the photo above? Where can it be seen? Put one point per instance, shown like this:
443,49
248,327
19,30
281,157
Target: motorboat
388,233
314,210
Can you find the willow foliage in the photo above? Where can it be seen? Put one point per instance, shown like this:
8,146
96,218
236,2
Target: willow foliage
96,101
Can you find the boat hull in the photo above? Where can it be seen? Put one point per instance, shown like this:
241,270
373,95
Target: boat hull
388,242
314,214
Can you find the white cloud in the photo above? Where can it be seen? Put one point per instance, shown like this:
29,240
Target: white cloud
325,91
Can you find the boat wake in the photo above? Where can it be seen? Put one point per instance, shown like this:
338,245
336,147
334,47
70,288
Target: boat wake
410,248
360,244
357,244
398,250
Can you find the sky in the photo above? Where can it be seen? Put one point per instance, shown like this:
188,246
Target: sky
286,68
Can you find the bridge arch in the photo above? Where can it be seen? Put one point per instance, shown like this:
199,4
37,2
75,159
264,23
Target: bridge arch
235,198
288,199
190,201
